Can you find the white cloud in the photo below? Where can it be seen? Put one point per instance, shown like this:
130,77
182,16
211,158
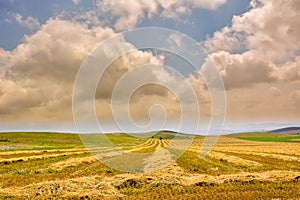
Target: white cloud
37,77
288,71
129,13
4,57
268,37
76,1
258,59
270,29
242,70
29,22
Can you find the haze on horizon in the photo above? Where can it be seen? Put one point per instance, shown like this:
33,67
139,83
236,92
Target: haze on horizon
254,44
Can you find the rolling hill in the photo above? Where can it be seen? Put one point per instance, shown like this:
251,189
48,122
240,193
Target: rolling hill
287,130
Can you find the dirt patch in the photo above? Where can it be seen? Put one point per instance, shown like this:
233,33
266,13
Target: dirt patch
128,183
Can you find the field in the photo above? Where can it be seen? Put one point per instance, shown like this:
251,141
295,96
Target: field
241,166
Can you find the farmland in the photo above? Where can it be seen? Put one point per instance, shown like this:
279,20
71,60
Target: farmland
241,166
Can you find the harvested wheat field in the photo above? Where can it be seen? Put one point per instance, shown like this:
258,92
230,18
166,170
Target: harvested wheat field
57,166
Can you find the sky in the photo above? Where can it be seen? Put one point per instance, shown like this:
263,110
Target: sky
253,44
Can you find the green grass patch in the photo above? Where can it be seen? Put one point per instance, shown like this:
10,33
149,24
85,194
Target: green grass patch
38,140
192,163
122,139
266,137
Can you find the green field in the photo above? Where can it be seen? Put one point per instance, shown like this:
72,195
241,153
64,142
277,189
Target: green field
36,140
241,166
267,137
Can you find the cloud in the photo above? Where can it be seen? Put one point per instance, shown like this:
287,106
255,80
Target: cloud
262,103
122,66
37,76
76,2
270,29
242,70
296,96
261,45
257,56
55,50
289,71
28,22
274,91
15,98
4,57
258,59
129,13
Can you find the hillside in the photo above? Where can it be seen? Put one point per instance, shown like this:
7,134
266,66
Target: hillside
266,137
287,130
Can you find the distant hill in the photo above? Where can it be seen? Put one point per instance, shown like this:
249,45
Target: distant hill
170,135
287,130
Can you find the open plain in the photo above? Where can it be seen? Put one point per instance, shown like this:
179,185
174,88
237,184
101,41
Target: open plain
240,166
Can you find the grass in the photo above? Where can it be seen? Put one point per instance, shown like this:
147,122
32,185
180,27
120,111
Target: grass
266,137
122,139
49,140
249,191
191,163
34,171
41,137
79,176
37,140
270,163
